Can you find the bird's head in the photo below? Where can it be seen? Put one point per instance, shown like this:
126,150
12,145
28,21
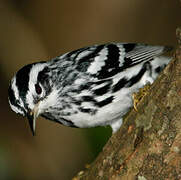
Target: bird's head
28,89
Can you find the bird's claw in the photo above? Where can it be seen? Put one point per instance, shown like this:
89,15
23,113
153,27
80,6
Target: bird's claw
138,96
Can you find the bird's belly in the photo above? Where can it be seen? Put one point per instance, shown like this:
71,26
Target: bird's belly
107,114
104,115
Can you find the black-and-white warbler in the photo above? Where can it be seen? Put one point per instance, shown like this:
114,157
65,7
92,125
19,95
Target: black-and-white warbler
88,87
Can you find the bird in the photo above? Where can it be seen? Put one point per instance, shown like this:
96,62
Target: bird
87,87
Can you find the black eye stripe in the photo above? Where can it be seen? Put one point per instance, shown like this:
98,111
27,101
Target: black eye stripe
42,75
44,79
38,89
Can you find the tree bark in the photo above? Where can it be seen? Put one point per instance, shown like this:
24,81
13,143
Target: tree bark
148,145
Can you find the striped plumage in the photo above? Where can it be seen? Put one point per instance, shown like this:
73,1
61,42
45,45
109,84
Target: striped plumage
87,87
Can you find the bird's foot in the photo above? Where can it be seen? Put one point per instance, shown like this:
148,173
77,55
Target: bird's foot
138,96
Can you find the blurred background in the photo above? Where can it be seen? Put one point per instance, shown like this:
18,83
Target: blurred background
34,30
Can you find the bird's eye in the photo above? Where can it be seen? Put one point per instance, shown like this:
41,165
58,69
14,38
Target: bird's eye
38,89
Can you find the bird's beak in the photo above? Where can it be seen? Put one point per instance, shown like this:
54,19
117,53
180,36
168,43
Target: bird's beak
32,115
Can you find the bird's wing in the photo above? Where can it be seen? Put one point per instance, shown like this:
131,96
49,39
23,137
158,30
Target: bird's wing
105,61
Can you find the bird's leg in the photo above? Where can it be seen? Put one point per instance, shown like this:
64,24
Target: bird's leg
138,96
116,125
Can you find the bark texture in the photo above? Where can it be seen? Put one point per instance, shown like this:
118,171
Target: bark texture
148,145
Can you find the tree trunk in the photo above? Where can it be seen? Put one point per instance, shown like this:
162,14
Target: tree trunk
148,145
